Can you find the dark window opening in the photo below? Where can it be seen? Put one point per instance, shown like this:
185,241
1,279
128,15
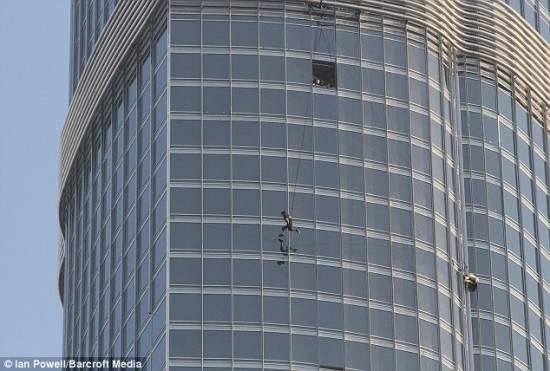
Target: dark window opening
324,74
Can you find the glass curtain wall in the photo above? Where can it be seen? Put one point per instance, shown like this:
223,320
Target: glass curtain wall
115,216
364,162
505,156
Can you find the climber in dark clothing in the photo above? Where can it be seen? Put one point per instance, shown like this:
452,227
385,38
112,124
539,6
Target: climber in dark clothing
288,220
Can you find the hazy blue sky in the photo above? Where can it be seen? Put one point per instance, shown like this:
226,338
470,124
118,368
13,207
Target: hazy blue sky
34,64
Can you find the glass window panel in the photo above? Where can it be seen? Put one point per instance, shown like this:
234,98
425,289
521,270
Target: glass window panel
216,167
246,167
353,212
400,187
185,99
217,271
350,143
245,134
302,310
325,107
428,335
215,33
405,294
185,271
185,133
273,101
300,138
216,236
420,125
505,103
349,77
474,92
378,217
304,348
352,178
375,148
299,70
325,140
273,135
349,110
380,288
417,58
272,68
374,81
372,46
216,101
217,201
247,308
325,38
186,66
185,343
324,174
395,52
422,193
275,275
185,32
422,159
348,43
357,354
418,91
396,86
185,201
272,35
245,100
244,34
327,209
274,169
247,344
246,237
299,103
424,229
244,67
399,153
276,309
355,283
403,257
298,37
217,344
378,251
185,236
374,114
186,307
425,263
329,279
376,182
302,276
273,202
216,308
328,244
246,202
246,272
276,346
406,328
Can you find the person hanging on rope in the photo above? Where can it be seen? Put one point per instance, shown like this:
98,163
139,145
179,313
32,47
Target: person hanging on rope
471,281
288,220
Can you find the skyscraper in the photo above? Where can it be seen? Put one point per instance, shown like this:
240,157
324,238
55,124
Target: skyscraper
408,140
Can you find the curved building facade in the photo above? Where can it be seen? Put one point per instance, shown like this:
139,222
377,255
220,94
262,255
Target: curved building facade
408,140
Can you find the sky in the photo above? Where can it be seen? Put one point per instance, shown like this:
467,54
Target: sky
34,84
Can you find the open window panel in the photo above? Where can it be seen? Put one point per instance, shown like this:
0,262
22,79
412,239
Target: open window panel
324,74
